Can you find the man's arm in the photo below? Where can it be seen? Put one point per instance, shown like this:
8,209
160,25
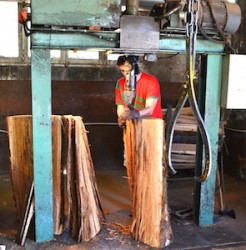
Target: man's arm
121,115
120,110
149,107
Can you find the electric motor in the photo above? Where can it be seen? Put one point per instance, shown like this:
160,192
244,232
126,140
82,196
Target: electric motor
227,15
212,14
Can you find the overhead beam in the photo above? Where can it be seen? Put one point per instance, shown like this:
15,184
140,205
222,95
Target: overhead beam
110,40
89,40
179,45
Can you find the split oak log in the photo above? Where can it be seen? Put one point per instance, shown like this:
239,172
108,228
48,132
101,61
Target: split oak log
144,153
76,200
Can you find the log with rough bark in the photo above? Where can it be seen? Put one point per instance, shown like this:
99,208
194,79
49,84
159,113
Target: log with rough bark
76,200
144,152
84,211
90,210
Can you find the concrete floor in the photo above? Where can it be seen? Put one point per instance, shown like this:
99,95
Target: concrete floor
225,233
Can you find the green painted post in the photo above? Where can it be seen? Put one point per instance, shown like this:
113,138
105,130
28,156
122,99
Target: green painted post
42,143
212,118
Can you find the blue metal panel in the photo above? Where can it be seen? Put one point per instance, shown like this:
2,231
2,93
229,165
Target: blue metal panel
42,146
104,13
212,118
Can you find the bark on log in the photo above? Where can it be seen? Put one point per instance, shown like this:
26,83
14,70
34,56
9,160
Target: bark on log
57,174
144,149
76,200
90,210
68,161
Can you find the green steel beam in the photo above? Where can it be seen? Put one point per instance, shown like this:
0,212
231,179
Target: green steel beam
110,40
179,45
42,144
89,40
212,119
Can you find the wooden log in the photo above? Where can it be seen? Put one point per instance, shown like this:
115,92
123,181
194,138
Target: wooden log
90,210
76,200
21,162
144,149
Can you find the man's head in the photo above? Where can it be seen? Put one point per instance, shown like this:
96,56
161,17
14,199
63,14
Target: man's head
127,63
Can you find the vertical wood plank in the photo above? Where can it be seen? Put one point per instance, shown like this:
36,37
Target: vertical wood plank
42,143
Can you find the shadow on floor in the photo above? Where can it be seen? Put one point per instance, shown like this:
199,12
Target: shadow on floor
225,233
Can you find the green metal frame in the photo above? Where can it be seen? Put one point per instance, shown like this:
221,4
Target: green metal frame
212,120
41,101
209,103
42,143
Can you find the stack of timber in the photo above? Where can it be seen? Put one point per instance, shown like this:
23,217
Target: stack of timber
144,154
184,145
76,199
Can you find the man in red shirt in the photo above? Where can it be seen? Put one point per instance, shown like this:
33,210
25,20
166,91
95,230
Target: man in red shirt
147,101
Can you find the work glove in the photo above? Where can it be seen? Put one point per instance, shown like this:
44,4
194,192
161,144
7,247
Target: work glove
132,114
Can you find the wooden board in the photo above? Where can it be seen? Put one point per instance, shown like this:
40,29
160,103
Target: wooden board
57,174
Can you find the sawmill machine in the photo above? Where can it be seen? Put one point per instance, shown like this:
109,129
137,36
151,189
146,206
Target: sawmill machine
140,27
131,24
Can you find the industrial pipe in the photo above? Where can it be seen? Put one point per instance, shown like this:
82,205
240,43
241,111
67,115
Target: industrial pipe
132,7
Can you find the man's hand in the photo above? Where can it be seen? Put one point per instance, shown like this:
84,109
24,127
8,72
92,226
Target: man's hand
132,114
121,121
127,114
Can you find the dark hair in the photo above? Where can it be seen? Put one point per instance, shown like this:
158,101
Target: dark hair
131,59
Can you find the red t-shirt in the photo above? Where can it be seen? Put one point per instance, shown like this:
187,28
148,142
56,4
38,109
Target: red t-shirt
147,87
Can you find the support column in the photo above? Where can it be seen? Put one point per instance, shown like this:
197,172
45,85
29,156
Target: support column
42,143
212,118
